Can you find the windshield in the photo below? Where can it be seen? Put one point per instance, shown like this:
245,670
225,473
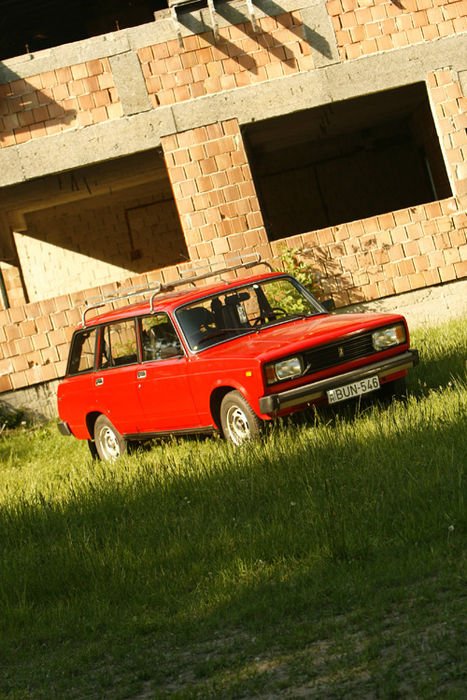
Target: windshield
244,309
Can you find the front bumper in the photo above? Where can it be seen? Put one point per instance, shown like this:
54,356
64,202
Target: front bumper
311,392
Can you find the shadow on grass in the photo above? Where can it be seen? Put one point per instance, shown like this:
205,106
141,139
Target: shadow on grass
436,373
208,510
443,357
192,540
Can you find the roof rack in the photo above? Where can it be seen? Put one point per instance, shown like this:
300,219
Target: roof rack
97,302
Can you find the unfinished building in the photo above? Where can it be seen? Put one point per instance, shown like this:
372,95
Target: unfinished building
138,139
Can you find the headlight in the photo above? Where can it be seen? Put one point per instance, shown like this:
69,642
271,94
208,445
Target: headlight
286,369
387,337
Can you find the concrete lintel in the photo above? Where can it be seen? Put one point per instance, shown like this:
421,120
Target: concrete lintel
17,222
26,66
101,142
80,183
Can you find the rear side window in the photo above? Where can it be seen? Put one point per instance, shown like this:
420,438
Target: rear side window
82,351
118,345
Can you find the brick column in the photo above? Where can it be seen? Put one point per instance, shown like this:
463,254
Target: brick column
214,192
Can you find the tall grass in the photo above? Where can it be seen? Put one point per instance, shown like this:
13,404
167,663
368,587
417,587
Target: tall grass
192,540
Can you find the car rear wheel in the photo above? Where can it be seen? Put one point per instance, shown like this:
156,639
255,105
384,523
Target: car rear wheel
109,443
239,422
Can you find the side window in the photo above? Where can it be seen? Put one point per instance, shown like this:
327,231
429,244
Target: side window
82,352
118,344
159,338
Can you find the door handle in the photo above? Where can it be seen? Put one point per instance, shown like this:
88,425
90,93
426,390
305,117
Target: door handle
141,374
99,381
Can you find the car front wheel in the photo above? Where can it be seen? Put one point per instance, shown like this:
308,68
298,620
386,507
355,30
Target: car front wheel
239,422
109,443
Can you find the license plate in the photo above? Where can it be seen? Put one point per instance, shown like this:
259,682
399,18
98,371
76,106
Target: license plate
349,391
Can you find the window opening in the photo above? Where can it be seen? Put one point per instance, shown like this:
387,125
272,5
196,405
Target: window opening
346,161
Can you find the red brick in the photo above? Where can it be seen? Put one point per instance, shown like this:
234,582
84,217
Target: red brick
18,380
431,277
79,71
399,234
416,281
12,332
451,256
95,67
461,267
5,383
447,273
60,368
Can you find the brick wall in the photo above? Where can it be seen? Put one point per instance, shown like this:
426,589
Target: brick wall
408,249
364,27
219,212
13,284
201,65
389,254
449,105
70,97
79,95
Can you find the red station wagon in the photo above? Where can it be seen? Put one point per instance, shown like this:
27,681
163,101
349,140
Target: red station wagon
220,358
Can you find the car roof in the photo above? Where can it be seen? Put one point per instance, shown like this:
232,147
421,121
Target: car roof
171,300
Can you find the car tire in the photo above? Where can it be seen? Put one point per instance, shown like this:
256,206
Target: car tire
110,445
238,420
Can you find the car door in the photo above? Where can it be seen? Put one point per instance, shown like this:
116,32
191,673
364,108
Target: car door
116,377
76,395
163,388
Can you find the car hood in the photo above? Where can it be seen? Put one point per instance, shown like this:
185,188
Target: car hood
294,336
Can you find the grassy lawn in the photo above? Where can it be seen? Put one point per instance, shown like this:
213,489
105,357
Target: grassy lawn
327,561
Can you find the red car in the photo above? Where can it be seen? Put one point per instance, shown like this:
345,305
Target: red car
221,358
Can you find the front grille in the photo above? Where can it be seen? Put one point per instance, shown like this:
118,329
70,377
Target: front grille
332,354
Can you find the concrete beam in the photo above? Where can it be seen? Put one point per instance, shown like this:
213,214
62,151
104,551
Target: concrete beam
94,144
332,83
134,38
140,132
93,181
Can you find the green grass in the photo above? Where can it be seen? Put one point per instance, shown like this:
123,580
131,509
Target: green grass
326,561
